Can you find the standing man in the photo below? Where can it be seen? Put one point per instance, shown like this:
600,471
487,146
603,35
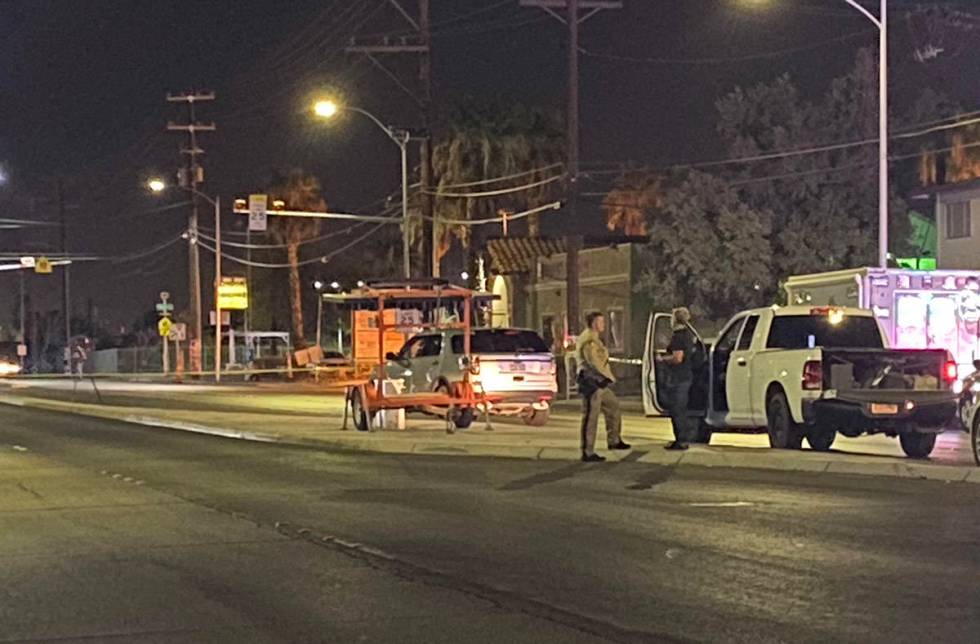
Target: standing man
595,379
680,376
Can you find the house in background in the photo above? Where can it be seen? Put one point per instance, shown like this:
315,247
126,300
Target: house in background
529,278
957,230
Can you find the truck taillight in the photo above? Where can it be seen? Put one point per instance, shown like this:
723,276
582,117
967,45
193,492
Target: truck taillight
813,375
950,372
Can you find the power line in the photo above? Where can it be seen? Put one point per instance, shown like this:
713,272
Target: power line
555,205
516,175
494,193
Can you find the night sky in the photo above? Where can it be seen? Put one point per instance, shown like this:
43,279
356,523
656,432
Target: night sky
83,85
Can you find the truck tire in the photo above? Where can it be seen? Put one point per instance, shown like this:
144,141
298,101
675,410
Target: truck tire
975,439
917,445
821,439
702,433
784,433
537,417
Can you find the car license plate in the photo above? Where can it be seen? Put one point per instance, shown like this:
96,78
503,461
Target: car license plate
515,367
881,409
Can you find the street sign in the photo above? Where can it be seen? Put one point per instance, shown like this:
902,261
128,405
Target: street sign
22,350
179,332
258,208
233,294
225,318
42,266
165,308
27,262
164,326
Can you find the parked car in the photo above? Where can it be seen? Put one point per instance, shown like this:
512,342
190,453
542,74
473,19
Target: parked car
810,373
513,363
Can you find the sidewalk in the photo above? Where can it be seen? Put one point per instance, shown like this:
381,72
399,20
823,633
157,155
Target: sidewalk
315,420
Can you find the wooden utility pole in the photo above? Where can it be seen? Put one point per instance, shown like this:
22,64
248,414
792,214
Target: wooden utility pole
191,176
572,18
418,42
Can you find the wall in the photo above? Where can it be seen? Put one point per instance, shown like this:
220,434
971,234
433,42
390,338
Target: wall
958,253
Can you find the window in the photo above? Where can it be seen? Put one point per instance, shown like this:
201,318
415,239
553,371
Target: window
745,340
958,220
548,330
489,341
412,348
809,331
727,341
431,346
615,330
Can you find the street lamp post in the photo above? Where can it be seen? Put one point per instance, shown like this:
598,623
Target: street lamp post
401,137
318,285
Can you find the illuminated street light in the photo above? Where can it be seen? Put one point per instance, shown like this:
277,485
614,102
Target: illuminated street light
156,185
325,109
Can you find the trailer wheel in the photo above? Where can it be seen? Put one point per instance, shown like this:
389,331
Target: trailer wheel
821,439
462,418
784,433
358,411
917,445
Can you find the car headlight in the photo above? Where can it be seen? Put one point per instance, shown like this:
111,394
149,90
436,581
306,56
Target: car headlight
9,369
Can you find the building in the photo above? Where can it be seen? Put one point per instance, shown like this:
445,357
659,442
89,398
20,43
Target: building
530,278
958,234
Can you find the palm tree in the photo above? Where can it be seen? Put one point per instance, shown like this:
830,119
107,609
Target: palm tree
299,191
630,201
486,140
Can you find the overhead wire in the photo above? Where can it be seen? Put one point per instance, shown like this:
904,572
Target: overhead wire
494,193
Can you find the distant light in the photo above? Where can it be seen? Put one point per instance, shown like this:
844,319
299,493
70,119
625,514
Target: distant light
3,176
318,285
835,317
335,285
278,204
464,275
360,284
157,185
325,109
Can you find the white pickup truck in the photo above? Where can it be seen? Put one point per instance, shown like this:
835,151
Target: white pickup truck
804,372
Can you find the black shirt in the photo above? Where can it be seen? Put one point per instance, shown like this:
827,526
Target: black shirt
682,340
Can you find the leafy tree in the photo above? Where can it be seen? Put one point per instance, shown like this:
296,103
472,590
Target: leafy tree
824,205
708,249
489,139
299,191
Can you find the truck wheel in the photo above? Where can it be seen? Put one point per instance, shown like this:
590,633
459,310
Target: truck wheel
784,433
975,439
917,445
702,433
821,439
537,418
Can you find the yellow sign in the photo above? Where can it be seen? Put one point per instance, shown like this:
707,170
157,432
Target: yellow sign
165,326
42,266
233,294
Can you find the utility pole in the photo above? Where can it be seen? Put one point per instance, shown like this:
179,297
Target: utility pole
417,42
191,176
65,295
572,19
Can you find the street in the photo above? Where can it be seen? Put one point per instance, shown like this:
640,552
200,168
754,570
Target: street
114,532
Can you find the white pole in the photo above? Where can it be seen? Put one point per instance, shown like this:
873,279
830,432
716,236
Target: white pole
166,356
319,318
217,284
883,137
406,260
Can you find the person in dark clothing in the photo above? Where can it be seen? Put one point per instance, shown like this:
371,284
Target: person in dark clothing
680,377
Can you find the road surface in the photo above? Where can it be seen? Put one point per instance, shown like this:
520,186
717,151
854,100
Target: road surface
113,532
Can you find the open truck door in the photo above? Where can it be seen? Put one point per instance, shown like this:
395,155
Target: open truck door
658,336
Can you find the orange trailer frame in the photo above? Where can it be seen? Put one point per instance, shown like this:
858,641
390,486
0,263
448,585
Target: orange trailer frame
367,397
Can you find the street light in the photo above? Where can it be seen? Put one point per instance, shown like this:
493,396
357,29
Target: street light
318,285
158,185
327,109
881,22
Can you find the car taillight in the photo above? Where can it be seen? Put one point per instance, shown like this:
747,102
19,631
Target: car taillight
950,372
813,375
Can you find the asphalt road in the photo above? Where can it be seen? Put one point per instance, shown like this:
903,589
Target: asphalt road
111,532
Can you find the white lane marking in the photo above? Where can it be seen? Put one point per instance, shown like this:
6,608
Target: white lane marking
723,504
672,553
19,448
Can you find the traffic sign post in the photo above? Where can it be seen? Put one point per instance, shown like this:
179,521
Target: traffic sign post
165,327
258,209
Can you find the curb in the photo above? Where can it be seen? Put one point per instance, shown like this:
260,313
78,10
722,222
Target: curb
698,457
